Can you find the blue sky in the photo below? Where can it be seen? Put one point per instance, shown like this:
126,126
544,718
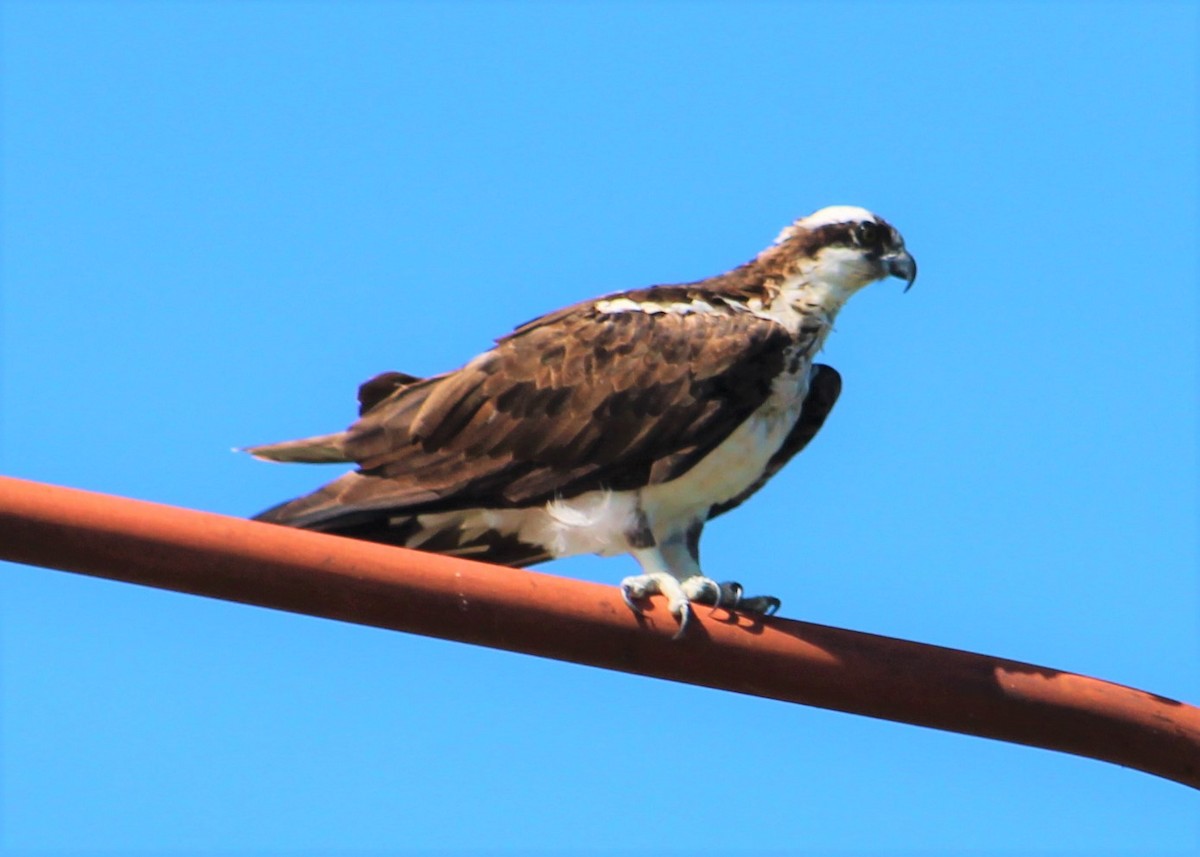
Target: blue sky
218,218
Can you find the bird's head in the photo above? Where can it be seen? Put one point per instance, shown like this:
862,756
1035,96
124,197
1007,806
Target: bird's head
838,250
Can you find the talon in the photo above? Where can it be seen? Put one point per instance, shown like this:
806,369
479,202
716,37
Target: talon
684,615
763,605
683,595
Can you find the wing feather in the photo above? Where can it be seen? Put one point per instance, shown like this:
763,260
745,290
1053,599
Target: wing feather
577,401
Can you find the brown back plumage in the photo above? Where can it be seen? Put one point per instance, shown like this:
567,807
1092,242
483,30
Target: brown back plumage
571,402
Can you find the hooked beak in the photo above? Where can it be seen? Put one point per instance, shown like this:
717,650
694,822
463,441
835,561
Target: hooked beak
903,266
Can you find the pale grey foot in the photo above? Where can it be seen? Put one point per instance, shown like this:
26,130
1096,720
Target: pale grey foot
671,567
698,588
658,583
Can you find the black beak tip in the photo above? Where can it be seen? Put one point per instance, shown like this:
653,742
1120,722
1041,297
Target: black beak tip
905,267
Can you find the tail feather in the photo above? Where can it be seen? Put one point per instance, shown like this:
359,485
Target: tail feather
323,449
315,510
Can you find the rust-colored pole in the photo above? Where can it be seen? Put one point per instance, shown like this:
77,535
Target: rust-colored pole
523,611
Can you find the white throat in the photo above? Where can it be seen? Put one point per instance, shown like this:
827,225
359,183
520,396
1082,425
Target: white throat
825,283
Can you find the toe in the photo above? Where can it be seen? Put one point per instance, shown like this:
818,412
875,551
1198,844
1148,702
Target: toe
765,605
702,590
731,595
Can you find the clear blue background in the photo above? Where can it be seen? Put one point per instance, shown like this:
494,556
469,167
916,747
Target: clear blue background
220,217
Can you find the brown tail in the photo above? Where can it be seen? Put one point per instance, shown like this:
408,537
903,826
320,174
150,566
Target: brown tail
323,449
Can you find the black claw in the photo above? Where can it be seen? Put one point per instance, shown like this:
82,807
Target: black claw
764,605
630,603
684,616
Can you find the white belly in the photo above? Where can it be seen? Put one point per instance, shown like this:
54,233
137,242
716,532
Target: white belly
725,472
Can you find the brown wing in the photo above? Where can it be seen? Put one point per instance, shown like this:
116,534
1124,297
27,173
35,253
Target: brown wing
377,389
573,402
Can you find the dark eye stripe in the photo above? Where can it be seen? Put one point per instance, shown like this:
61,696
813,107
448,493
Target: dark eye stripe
849,234
868,234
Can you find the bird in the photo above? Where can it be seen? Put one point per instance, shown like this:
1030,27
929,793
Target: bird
618,425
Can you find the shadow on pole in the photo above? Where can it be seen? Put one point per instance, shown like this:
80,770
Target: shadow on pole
587,623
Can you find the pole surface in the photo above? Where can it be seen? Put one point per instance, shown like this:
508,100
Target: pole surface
587,623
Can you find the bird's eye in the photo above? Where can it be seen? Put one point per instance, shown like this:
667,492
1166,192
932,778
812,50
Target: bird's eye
867,234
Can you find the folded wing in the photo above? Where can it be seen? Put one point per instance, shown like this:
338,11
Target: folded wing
573,402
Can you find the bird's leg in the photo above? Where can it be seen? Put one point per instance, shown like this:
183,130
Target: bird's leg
672,569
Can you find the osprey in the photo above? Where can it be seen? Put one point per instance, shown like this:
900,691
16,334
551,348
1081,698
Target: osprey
621,424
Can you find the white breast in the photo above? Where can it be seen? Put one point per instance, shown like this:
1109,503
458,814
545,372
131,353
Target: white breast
733,466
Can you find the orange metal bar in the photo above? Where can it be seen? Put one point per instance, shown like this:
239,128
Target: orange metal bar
554,617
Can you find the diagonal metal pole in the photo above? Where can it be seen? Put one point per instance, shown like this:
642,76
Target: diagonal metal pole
571,620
